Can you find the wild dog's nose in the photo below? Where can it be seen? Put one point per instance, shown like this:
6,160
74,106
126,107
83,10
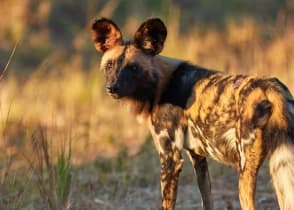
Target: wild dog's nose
112,88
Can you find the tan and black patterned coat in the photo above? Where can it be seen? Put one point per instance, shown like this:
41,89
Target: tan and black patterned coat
234,119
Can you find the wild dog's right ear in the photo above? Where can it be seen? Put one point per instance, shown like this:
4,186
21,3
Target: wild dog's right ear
150,36
105,34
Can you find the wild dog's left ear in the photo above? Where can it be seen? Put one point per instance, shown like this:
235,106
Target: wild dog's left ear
150,36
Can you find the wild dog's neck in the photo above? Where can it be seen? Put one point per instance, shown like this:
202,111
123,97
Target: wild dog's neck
165,66
163,69
169,60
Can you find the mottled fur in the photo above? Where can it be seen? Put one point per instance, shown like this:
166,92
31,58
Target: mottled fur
234,119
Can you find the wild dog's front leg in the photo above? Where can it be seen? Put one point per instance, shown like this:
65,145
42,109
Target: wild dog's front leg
201,171
171,166
167,126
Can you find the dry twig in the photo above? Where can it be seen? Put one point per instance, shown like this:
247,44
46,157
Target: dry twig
9,61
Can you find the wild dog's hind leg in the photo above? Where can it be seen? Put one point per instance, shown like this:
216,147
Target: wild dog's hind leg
201,171
254,155
171,166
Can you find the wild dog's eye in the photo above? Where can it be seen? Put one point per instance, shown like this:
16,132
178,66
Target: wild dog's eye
134,67
109,65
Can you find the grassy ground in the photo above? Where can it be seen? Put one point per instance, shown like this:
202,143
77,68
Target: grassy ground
65,145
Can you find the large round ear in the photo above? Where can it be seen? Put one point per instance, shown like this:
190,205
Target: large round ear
150,36
105,34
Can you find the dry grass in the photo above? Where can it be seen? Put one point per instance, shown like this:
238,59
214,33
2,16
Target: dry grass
113,164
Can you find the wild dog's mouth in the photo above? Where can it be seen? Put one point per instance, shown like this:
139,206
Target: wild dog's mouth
113,93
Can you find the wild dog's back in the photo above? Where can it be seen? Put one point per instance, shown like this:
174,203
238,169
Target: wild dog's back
224,113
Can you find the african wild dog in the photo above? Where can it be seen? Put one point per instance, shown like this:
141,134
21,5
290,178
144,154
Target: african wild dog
236,120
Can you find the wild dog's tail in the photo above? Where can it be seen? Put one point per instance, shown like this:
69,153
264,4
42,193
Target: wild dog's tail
281,129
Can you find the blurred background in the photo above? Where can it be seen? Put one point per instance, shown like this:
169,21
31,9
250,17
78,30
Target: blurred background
65,145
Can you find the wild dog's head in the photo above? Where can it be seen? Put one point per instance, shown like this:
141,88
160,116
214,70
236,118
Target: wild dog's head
128,65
